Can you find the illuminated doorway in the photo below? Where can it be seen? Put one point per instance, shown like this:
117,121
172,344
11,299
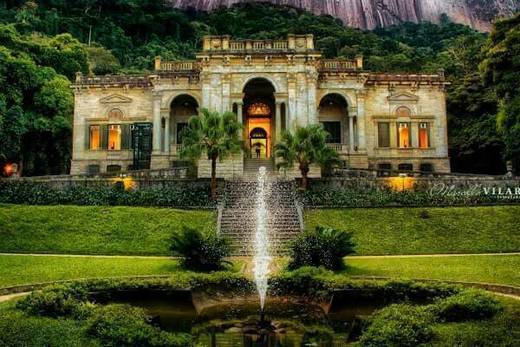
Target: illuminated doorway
259,143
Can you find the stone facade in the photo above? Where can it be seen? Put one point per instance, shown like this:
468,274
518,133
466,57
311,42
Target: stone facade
375,120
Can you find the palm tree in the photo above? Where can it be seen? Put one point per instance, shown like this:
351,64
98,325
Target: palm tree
213,134
307,146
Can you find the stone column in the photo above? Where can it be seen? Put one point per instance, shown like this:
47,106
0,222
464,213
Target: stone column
351,132
278,120
157,123
312,85
291,112
361,121
240,107
414,134
167,143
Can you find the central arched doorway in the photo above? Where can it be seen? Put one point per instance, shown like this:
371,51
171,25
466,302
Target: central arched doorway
259,108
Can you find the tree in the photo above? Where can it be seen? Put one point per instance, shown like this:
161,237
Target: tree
501,70
213,134
307,146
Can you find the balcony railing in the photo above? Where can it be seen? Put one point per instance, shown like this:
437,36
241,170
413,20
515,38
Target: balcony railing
333,65
176,66
339,147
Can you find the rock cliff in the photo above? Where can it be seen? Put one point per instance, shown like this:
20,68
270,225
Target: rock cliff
368,14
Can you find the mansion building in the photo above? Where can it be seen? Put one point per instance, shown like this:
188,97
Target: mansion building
375,120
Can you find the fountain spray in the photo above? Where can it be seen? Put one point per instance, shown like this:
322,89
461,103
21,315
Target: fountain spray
261,259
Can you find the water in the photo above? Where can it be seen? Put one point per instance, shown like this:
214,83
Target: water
261,258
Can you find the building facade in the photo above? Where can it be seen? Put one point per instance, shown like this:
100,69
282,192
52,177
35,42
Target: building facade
385,121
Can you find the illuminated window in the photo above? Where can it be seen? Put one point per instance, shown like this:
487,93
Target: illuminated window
424,135
259,109
403,112
94,137
403,132
114,137
383,134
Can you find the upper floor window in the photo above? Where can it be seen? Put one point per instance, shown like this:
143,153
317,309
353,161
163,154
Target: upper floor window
94,137
424,135
114,137
403,135
403,111
383,134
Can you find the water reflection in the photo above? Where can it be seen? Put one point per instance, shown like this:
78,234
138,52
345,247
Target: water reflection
287,324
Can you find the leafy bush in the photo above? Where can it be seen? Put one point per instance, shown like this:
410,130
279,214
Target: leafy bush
55,302
467,305
323,247
199,251
127,326
399,326
20,330
177,194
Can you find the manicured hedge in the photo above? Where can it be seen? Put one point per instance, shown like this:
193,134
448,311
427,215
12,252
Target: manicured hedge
366,196
175,194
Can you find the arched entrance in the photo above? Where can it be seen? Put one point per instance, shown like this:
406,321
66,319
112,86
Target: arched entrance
333,115
259,108
181,109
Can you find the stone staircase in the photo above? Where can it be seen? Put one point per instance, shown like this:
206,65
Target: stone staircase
251,166
237,217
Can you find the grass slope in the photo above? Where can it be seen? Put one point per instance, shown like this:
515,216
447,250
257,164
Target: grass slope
448,230
501,269
94,230
22,269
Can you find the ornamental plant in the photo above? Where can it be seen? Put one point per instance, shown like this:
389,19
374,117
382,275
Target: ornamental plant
199,251
323,247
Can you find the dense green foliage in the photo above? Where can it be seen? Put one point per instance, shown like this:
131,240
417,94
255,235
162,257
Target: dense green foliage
199,251
304,147
380,231
211,136
398,325
321,247
127,326
125,36
501,70
466,306
177,194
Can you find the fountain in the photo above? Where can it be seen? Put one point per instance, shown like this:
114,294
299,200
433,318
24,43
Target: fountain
261,258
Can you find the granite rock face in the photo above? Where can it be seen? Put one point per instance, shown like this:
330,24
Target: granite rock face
368,14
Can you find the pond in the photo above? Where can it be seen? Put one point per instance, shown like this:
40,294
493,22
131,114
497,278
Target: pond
236,321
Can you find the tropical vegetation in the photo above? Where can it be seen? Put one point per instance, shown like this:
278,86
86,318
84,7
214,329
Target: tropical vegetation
214,136
304,147
323,247
199,251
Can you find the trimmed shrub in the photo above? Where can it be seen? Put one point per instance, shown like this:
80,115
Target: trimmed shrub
399,326
198,251
467,305
127,326
176,194
324,247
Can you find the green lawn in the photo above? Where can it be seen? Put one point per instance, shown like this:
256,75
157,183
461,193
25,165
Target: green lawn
94,230
501,269
447,230
19,269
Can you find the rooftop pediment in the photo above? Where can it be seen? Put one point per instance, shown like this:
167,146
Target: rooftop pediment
403,97
116,99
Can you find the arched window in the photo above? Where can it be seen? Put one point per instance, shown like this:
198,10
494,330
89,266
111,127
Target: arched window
403,111
115,114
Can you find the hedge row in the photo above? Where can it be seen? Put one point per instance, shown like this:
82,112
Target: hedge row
175,195
351,197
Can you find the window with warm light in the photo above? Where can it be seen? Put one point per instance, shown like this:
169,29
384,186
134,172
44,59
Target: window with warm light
94,137
424,135
383,135
403,132
114,137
